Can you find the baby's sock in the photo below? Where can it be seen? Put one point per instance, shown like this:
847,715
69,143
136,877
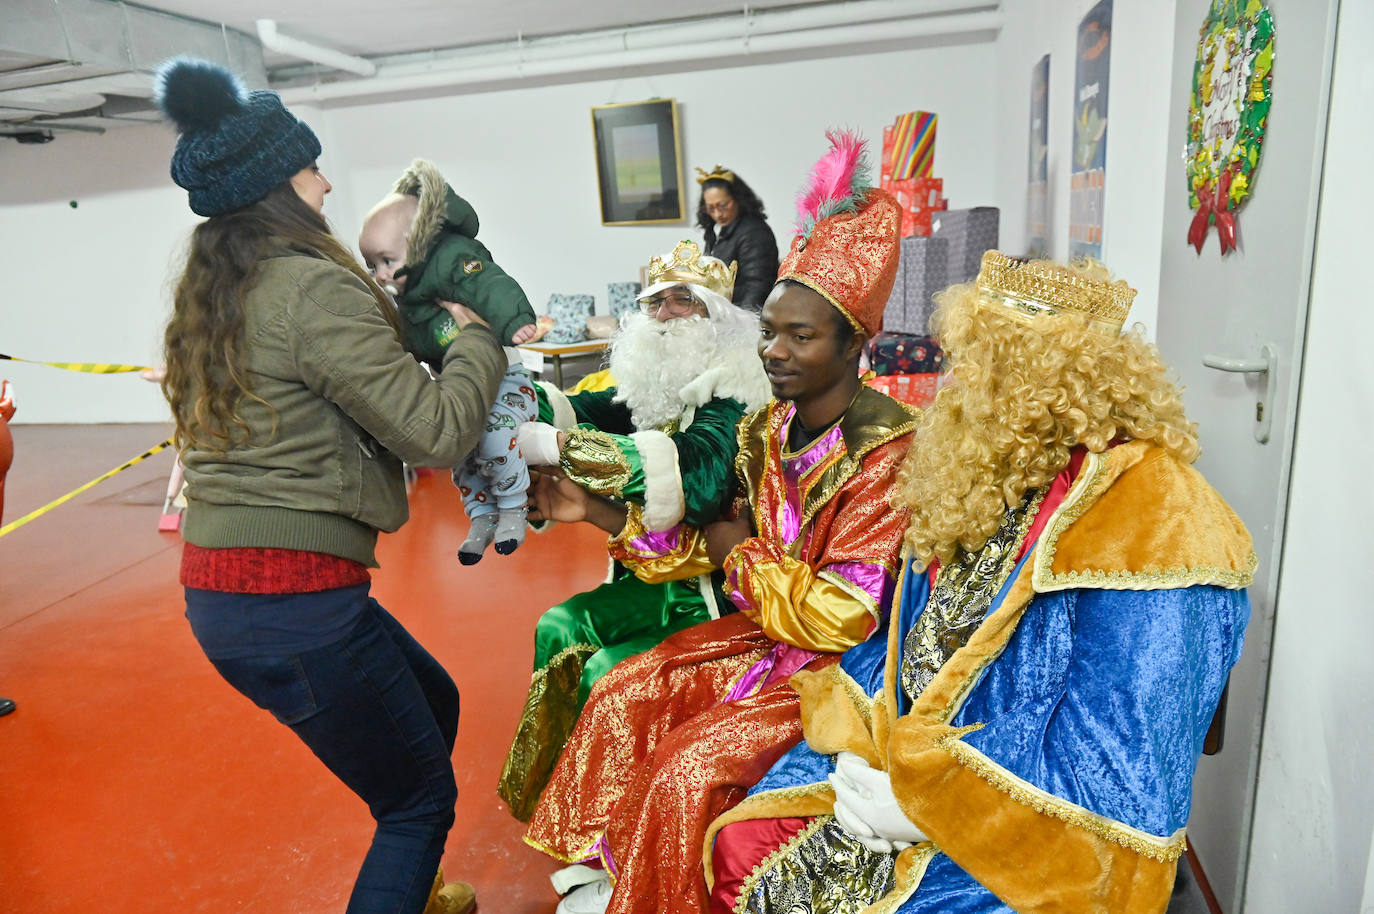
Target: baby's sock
510,529
479,537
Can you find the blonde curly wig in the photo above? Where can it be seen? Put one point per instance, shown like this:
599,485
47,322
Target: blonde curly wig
1022,393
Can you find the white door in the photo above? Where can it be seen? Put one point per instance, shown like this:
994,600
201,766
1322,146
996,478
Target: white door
1233,307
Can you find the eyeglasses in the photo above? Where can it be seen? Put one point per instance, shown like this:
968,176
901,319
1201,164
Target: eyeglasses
676,302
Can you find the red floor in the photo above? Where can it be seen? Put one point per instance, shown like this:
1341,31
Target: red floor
132,779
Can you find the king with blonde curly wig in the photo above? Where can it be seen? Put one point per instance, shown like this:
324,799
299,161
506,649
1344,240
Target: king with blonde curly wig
1024,390
1024,736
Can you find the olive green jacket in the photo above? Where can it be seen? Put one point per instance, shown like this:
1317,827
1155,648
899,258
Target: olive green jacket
337,405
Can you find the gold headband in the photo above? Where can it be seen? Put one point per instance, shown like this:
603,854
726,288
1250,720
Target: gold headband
1030,289
720,171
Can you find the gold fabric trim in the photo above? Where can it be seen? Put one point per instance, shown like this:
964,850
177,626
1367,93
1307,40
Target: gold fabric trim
767,863
908,881
545,724
962,597
835,303
1098,473
1165,850
580,856
593,460
859,595
872,420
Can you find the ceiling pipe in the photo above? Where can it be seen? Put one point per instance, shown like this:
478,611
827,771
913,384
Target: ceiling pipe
274,40
660,35
613,51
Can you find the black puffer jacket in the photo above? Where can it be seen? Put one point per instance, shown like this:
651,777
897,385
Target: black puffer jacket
749,241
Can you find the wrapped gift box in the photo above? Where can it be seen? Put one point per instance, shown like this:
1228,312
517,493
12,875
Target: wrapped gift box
910,150
919,198
915,389
924,267
623,297
969,233
903,353
569,313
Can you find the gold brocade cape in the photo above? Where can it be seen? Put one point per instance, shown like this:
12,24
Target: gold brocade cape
1135,519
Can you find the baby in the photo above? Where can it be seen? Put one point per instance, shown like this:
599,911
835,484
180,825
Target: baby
420,242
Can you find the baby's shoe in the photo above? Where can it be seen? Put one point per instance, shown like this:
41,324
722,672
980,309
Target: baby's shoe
510,529
479,537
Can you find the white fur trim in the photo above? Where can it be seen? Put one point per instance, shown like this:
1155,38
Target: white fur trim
563,415
663,501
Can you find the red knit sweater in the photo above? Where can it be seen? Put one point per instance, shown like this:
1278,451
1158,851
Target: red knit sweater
267,570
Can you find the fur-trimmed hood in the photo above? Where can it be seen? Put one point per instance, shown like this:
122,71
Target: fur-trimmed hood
440,207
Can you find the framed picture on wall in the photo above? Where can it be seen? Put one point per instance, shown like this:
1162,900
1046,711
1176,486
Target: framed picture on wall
638,165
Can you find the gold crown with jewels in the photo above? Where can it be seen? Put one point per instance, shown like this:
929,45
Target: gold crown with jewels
687,264
1030,289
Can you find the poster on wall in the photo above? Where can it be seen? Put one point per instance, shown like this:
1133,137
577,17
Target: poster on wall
1037,171
1087,180
1228,112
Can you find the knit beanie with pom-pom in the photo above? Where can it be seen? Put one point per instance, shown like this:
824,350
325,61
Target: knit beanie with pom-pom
235,145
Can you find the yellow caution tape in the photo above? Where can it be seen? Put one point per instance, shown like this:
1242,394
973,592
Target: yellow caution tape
88,367
16,524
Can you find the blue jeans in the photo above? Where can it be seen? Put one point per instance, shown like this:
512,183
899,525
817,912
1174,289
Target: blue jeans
373,705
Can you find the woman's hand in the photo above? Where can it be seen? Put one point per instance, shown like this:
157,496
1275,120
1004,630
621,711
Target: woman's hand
462,315
723,536
524,334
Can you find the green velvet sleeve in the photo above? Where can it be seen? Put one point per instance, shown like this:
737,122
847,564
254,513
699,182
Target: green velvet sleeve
688,474
599,409
706,459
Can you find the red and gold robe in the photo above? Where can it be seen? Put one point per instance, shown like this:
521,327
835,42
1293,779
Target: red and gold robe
672,738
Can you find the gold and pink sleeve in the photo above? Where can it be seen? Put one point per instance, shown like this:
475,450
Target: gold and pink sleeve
656,556
834,602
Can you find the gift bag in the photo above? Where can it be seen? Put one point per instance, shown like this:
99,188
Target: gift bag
623,298
569,313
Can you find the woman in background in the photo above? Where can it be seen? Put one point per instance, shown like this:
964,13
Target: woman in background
735,230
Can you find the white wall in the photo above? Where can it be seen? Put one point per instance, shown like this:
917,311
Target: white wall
1314,812
87,284
524,157
90,284
1137,131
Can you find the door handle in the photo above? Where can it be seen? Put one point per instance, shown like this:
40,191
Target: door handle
1268,365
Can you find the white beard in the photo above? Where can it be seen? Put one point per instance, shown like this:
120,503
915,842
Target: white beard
652,361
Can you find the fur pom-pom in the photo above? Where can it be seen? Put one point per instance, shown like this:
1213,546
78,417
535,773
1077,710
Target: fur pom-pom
197,94
838,182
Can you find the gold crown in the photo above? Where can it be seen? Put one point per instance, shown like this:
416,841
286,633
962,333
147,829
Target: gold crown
720,171
686,266
1029,289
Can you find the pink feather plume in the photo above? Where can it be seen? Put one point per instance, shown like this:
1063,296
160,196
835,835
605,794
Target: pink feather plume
831,185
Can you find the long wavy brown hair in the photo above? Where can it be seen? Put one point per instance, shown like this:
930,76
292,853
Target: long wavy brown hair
1022,394
203,346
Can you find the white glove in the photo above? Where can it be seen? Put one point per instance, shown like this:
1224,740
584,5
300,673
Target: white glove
538,443
867,809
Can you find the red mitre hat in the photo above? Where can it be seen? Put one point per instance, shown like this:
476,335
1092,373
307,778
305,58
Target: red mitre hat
847,242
